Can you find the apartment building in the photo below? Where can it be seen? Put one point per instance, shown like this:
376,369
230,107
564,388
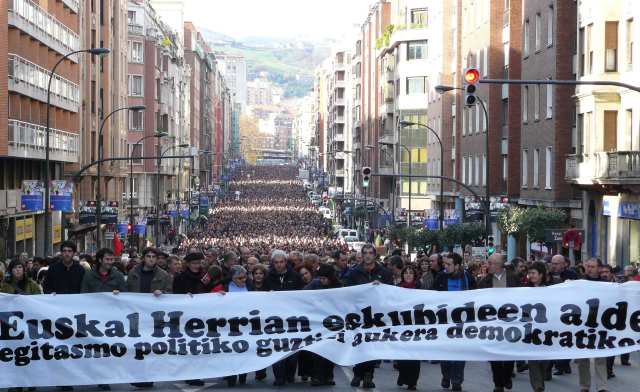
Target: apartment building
36,36
159,79
319,151
416,55
548,49
339,133
373,29
606,141
234,70
490,34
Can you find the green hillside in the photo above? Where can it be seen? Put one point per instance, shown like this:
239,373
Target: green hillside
289,67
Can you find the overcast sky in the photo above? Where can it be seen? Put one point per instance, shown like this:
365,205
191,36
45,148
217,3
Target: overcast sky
277,18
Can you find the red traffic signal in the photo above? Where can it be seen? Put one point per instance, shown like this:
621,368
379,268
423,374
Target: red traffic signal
471,76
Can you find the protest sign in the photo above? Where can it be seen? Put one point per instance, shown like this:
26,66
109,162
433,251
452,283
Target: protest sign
107,339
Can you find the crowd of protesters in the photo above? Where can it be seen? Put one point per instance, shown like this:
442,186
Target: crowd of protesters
256,244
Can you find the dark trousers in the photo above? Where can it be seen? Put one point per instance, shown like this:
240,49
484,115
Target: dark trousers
453,371
305,363
502,372
563,365
610,361
408,372
364,368
624,358
261,374
285,369
241,378
322,368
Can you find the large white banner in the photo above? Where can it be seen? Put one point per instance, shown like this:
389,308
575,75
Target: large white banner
106,338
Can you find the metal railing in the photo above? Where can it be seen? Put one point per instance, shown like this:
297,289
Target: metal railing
617,165
35,78
135,28
29,140
74,5
35,21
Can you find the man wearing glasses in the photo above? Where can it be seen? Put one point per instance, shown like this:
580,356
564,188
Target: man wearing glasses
368,271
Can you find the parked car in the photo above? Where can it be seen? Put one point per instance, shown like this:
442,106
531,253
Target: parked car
343,233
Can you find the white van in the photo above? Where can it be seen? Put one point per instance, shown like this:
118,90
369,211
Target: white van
326,212
342,233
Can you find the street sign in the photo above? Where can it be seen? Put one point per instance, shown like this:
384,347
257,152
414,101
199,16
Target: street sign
556,235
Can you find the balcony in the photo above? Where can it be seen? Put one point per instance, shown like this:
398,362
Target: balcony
339,102
340,172
620,167
339,83
27,140
73,5
30,79
338,119
36,22
135,28
338,137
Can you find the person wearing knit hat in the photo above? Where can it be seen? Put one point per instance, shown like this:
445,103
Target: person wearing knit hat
17,281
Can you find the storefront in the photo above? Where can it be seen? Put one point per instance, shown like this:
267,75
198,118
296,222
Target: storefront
621,229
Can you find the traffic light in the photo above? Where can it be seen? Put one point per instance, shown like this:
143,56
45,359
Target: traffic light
366,175
471,77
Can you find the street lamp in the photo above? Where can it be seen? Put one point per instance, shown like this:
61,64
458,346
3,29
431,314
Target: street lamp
135,108
408,124
47,217
158,195
441,89
131,223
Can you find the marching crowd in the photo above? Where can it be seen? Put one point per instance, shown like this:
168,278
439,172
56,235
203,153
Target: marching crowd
254,244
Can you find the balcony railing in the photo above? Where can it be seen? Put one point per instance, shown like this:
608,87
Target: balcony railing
30,79
74,5
604,167
33,20
27,140
135,28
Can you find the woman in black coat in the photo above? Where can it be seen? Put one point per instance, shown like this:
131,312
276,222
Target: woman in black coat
322,368
409,370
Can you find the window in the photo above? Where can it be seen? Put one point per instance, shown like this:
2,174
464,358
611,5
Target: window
536,166
538,32
525,104
135,85
549,88
416,50
548,169
536,102
611,47
136,120
135,152
470,175
589,44
131,17
525,44
136,52
629,44
478,116
550,19
505,167
505,50
464,170
476,176
419,17
484,169
525,168
581,51
416,85
629,132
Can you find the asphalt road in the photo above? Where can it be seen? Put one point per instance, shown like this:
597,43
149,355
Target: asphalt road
477,379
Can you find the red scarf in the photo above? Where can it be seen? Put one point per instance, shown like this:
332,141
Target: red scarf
408,285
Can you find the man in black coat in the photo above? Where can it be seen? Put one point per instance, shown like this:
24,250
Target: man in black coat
499,277
194,280
281,278
64,276
369,271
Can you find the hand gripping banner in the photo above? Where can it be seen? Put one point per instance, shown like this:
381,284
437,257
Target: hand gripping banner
106,338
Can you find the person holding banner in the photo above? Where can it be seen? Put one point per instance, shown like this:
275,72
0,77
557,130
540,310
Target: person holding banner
592,273
453,277
237,284
369,271
408,370
281,278
64,276
560,273
18,282
538,370
499,277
